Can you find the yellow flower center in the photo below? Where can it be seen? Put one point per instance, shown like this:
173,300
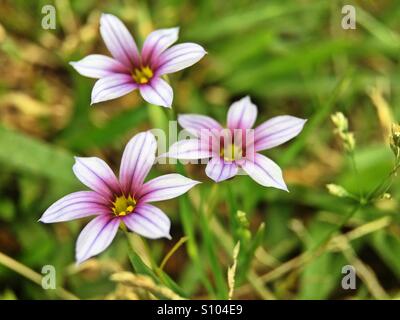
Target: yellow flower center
123,206
231,152
142,75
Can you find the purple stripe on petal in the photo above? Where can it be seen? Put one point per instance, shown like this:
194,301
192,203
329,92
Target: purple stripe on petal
276,131
165,187
96,237
74,206
242,114
98,66
179,57
119,41
189,149
265,172
157,92
137,160
194,123
219,170
112,87
148,221
156,42
97,175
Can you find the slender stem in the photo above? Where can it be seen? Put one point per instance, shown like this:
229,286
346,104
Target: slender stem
356,172
31,275
388,180
172,251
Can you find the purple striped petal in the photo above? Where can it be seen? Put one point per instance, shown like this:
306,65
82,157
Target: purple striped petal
112,87
157,92
137,160
148,221
74,206
276,131
179,57
156,42
219,170
96,237
98,66
165,187
97,175
195,123
265,172
242,114
119,41
189,149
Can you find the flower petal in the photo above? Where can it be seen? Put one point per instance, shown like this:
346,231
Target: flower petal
219,170
242,114
96,237
112,87
97,175
74,206
157,92
165,187
156,42
148,221
195,123
189,149
265,172
98,66
137,160
276,131
119,41
179,57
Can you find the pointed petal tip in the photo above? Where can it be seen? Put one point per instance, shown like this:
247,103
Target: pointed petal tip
195,182
104,15
285,188
168,236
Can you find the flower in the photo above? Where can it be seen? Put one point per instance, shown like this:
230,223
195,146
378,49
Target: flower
114,201
237,146
129,70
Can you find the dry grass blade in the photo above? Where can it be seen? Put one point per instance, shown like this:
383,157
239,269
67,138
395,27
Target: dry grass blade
383,110
146,283
232,271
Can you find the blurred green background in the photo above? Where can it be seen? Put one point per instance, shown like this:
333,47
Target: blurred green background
291,57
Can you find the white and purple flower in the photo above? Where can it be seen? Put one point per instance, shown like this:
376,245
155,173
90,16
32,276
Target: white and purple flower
237,147
128,69
114,201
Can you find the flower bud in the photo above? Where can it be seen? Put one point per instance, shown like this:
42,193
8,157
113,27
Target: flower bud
340,121
337,190
395,140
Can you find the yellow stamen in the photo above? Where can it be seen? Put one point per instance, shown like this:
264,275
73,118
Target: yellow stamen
142,75
123,206
231,152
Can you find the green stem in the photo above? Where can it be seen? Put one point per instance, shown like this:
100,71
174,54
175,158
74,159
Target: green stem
172,251
387,181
